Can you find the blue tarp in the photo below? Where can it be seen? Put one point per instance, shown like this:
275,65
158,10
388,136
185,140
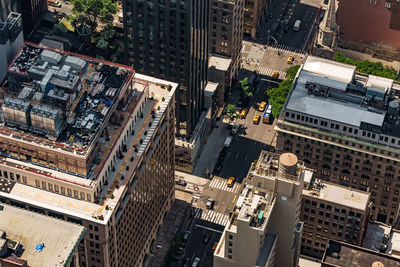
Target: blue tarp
39,247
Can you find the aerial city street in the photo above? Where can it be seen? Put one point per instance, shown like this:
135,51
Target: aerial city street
194,133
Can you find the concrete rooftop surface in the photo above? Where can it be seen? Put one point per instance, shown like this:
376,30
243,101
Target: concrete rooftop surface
60,238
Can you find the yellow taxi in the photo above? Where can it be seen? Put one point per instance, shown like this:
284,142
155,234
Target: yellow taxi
243,113
275,75
256,119
231,181
262,106
290,59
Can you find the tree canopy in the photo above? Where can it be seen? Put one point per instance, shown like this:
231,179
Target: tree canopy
244,84
89,12
231,112
277,96
368,67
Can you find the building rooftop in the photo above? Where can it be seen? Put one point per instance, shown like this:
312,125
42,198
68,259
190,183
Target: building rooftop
382,238
344,196
330,69
60,238
253,207
268,165
343,254
219,62
88,89
330,90
160,93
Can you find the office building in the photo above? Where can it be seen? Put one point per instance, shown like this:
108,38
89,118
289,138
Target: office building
8,6
226,31
330,211
346,127
220,72
264,228
11,39
169,40
34,239
254,12
31,10
340,254
90,142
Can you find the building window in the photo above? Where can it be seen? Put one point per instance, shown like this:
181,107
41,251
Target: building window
37,182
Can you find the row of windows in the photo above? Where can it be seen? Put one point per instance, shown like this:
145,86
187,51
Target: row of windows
57,189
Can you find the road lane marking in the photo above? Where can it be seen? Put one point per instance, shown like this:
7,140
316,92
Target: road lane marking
208,228
234,198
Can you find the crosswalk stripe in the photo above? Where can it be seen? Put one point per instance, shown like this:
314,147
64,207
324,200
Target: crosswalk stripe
194,188
268,72
286,49
212,216
222,185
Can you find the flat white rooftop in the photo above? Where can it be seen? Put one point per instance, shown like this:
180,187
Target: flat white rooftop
330,69
60,238
219,62
340,195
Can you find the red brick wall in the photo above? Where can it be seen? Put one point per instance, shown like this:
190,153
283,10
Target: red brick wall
361,21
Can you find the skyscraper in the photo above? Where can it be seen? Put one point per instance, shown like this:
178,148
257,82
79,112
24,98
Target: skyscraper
264,229
90,142
226,30
168,40
31,10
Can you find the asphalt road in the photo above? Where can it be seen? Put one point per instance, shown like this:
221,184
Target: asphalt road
250,139
286,12
196,247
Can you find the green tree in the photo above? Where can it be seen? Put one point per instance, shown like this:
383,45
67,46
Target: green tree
277,96
244,84
368,67
231,112
90,12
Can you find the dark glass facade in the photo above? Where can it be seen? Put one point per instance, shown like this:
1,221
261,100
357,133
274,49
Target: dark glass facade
167,39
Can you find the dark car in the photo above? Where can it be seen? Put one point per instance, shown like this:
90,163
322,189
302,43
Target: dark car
186,236
287,28
210,203
206,239
181,182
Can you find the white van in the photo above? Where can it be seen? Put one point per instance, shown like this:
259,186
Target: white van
296,25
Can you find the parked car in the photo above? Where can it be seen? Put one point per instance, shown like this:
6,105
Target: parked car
256,119
196,262
186,236
262,106
214,247
243,113
206,239
287,28
235,129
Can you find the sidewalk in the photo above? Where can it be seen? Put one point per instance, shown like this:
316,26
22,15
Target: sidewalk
212,148
193,179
